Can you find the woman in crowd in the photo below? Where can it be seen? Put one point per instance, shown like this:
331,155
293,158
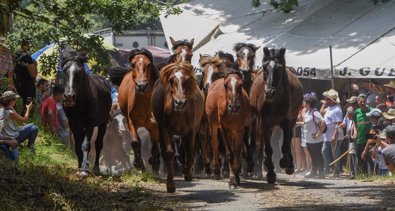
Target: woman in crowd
313,126
300,158
11,117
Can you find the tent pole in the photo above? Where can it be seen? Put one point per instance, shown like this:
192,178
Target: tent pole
332,79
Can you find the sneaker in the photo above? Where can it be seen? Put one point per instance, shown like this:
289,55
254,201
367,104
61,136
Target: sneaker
310,175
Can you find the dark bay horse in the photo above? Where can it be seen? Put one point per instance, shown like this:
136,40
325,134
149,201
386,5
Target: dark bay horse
279,105
228,109
245,54
134,98
87,105
177,105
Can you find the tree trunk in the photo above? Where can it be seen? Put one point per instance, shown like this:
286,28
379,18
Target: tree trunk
5,17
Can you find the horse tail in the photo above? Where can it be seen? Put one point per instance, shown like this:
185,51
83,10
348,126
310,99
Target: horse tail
117,73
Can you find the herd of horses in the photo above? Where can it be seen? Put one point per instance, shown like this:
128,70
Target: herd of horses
227,116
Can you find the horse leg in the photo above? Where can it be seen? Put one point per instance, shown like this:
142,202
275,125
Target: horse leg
189,149
155,154
287,160
237,142
203,138
138,162
249,143
86,146
169,158
99,146
259,146
270,176
229,156
215,144
78,139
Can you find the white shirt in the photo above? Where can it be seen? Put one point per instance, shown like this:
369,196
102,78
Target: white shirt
311,126
332,116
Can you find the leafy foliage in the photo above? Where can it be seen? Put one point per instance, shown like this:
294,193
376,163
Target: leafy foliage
284,5
45,21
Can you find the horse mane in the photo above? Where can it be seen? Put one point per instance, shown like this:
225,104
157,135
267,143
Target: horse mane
142,51
117,73
182,42
274,54
206,59
166,72
71,54
240,45
229,56
230,71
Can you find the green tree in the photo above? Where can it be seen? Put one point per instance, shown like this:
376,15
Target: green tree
284,5
45,21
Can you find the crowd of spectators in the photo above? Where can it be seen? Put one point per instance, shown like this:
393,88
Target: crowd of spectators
356,135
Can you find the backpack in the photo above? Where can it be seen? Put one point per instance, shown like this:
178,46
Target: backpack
325,128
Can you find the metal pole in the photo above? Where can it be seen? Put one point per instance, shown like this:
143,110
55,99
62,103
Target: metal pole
332,79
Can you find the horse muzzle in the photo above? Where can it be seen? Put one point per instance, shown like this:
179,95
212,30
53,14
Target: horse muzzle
69,99
179,105
269,94
141,87
233,109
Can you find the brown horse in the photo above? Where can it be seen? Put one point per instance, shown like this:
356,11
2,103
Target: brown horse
245,62
277,100
182,50
177,105
228,109
135,102
227,59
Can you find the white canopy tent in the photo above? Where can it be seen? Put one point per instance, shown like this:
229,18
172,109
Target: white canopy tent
362,35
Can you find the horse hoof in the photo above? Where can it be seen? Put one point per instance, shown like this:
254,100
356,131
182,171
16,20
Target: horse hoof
250,169
284,163
139,165
289,171
238,179
171,187
271,178
188,178
232,182
84,173
225,174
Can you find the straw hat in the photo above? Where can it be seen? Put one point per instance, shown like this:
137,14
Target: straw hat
9,95
391,84
332,95
352,99
390,114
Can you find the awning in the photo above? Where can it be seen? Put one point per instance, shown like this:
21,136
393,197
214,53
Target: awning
361,34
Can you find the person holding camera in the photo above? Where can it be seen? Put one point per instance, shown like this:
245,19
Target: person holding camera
11,117
388,145
8,146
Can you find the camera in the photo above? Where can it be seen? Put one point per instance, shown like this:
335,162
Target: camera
29,100
370,136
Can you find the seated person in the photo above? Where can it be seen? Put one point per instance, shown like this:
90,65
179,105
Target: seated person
388,146
8,146
11,117
42,91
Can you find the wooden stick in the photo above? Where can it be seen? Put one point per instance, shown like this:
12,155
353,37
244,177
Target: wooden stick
341,156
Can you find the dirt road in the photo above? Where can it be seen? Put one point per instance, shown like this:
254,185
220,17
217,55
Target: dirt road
289,194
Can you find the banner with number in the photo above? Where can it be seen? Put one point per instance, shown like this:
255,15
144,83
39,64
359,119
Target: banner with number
325,74
313,73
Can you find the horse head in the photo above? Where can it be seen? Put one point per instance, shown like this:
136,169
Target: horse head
245,58
74,73
227,59
211,69
179,80
143,68
182,50
274,69
233,83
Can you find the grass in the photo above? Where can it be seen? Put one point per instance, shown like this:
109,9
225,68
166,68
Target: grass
49,180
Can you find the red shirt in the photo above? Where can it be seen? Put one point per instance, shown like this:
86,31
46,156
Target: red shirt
48,105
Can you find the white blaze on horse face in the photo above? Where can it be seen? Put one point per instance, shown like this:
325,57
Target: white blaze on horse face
183,54
210,75
141,69
179,75
270,77
245,54
233,82
72,70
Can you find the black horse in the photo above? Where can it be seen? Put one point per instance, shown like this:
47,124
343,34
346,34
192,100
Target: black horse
87,105
283,96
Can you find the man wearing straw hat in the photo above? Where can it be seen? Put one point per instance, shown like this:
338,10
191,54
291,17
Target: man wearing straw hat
390,91
333,118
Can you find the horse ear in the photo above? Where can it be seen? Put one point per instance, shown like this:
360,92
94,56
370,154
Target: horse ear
255,47
266,52
192,41
282,51
173,42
